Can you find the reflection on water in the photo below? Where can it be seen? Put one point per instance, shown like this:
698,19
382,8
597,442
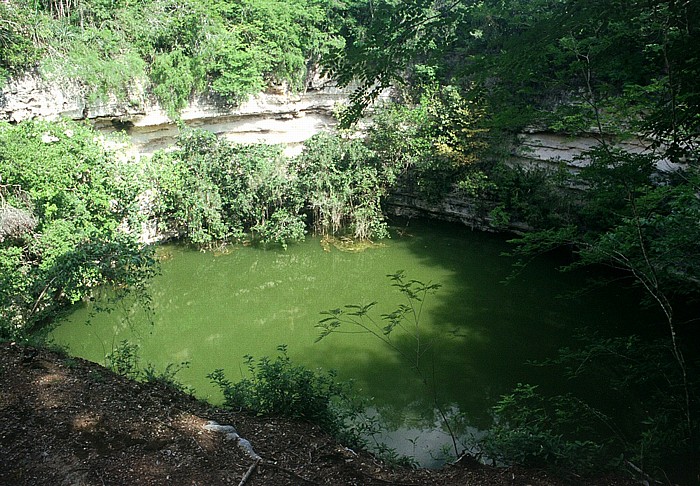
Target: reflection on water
211,309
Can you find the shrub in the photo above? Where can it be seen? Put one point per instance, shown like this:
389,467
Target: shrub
17,51
343,185
555,432
74,200
211,190
173,77
278,387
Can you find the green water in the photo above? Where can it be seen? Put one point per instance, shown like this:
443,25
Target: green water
212,309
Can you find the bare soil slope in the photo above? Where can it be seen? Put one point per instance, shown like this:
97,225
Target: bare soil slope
66,421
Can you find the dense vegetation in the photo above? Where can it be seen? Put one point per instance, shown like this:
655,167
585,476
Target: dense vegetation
64,204
614,71
72,214
178,47
212,191
468,75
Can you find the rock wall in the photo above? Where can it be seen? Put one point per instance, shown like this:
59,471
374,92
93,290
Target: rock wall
276,116
31,97
541,148
453,207
537,149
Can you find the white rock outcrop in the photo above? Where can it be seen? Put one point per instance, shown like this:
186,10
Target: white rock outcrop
276,116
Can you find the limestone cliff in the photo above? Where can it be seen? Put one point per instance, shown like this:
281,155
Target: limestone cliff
275,116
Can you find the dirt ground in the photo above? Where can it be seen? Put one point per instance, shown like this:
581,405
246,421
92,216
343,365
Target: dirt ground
66,421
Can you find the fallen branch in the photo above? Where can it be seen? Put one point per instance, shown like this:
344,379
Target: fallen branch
231,434
249,472
245,446
647,479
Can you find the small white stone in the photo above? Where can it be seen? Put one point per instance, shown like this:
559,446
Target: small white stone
48,138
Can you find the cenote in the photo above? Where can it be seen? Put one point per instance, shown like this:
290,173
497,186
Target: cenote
213,308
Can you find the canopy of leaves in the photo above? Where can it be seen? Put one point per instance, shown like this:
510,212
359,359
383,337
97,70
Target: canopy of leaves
64,204
533,58
181,46
211,191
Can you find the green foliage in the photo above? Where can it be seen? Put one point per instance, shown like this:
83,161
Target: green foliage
182,46
381,40
125,360
213,191
168,376
281,227
17,51
343,184
613,179
453,118
644,223
577,65
630,217
278,387
238,70
556,432
564,432
101,62
188,203
436,142
62,203
531,195
173,76
397,135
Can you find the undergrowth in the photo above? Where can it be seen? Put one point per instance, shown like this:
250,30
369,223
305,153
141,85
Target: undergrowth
124,360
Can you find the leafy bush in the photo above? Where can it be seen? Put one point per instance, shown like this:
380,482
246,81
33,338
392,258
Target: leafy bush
17,51
124,360
175,79
344,184
75,200
662,421
436,141
237,69
101,61
280,228
211,190
555,432
567,434
531,195
278,387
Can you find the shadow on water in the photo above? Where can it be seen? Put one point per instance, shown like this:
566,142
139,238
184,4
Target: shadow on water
484,332
212,309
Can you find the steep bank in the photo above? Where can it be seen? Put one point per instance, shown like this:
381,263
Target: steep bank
65,421
276,116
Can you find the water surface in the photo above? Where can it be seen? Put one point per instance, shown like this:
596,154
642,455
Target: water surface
212,309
